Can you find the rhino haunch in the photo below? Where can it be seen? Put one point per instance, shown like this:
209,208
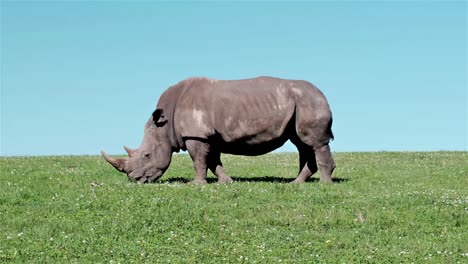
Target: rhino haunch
244,117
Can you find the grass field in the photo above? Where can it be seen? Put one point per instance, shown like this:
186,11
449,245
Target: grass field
383,208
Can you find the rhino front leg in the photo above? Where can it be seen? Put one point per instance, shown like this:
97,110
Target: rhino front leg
215,165
199,152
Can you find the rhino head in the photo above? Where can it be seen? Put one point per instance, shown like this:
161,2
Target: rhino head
148,162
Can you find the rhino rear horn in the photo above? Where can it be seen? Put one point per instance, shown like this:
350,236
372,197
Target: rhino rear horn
129,151
119,164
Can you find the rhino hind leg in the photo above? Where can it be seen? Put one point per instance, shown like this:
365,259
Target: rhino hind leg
216,166
307,162
313,153
325,163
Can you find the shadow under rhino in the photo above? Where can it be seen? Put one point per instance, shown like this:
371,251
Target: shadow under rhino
257,179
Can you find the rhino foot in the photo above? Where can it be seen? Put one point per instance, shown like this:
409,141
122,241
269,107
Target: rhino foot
225,180
326,180
198,181
298,181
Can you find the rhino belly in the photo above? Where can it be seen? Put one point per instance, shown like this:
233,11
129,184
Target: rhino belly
256,139
243,147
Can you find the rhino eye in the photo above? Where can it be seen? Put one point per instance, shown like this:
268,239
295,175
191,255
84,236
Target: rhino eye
147,155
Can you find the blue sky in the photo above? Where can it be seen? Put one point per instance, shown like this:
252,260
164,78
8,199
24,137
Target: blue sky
77,77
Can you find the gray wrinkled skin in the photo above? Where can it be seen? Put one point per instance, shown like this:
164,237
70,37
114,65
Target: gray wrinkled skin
243,117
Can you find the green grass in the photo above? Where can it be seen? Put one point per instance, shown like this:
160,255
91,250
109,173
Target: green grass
385,208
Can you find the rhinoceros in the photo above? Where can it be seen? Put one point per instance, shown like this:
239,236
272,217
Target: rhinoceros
250,117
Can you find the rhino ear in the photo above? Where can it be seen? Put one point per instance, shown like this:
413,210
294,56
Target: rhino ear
158,117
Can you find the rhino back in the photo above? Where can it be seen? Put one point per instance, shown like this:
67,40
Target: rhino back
250,111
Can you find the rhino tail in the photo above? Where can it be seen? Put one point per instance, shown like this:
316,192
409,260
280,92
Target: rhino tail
329,129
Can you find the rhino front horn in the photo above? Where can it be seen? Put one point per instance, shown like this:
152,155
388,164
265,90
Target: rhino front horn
130,151
119,164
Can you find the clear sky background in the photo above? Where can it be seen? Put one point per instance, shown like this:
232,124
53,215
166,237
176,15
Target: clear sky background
78,77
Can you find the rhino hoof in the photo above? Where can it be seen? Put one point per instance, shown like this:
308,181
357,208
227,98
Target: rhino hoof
296,181
225,180
326,180
198,182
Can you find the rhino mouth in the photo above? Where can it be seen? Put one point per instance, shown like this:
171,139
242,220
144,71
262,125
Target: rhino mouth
149,178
